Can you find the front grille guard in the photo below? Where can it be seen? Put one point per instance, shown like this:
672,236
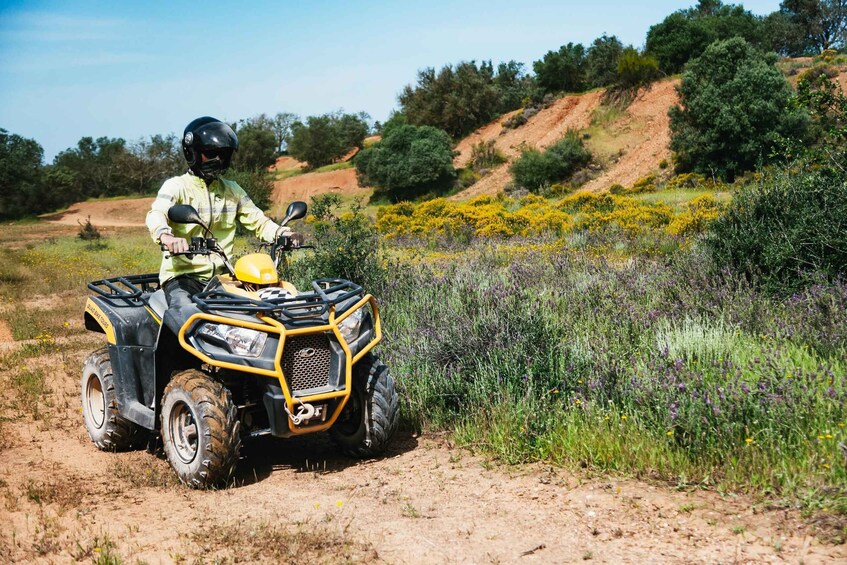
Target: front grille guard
304,309
271,324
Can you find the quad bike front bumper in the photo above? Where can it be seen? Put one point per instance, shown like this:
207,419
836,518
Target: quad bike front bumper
308,361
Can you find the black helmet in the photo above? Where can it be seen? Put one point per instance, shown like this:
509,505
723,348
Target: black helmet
213,138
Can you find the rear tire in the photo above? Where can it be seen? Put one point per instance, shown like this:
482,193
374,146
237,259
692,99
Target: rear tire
200,429
369,420
108,430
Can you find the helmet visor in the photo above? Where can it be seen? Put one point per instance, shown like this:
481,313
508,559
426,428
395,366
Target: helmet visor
215,136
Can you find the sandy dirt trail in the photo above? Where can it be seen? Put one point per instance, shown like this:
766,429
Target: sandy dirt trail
425,502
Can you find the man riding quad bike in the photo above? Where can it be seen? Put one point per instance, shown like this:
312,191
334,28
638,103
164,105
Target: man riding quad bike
254,357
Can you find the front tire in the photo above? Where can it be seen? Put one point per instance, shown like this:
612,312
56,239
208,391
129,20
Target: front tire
200,429
108,429
370,418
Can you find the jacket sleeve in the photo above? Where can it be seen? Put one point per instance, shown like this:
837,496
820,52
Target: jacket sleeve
252,218
157,217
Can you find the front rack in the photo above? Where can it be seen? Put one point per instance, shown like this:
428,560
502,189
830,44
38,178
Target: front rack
129,288
303,307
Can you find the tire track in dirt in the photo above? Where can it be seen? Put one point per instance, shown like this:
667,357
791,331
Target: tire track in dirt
648,142
643,133
129,212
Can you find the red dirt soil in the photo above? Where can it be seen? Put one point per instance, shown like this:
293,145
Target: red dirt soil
541,130
112,213
303,187
646,127
642,133
286,163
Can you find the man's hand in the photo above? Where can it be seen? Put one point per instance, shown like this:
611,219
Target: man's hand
283,230
174,244
296,239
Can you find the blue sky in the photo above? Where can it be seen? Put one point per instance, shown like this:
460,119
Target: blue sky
133,69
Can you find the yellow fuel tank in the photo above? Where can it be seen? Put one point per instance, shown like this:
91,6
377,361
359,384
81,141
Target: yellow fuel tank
256,268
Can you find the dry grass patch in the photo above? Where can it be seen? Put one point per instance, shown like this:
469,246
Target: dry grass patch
142,470
61,492
262,542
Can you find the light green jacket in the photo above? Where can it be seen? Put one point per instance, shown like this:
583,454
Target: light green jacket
221,205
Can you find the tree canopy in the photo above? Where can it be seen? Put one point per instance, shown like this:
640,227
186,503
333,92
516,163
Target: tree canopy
408,162
462,98
685,34
258,144
21,177
323,139
735,111
562,70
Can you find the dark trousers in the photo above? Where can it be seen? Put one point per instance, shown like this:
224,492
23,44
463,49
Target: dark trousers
178,293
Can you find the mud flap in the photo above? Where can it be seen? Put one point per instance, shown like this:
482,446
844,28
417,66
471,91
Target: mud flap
133,368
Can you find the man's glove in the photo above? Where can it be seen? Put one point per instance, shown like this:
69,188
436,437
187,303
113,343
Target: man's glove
282,231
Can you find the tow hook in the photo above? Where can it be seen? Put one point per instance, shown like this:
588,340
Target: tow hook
304,413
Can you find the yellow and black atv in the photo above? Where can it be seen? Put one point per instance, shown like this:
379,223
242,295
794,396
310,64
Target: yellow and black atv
256,357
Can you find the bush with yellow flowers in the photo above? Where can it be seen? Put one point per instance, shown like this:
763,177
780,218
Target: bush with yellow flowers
699,213
534,215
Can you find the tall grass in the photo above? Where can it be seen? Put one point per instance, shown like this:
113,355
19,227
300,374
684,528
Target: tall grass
646,365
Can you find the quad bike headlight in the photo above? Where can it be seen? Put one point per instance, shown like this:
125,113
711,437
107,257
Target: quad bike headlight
241,341
351,325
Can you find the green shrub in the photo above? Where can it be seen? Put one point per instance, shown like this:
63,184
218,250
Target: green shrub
410,161
485,155
636,70
88,231
515,121
819,70
467,177
736,112
347,246
535,170
785,230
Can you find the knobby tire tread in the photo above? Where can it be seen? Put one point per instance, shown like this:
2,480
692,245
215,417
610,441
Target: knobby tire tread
213,403
120,433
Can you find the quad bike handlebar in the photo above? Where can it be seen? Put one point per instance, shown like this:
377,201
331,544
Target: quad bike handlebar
279,248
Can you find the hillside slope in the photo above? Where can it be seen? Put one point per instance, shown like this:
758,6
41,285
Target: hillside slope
303,187
628,146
